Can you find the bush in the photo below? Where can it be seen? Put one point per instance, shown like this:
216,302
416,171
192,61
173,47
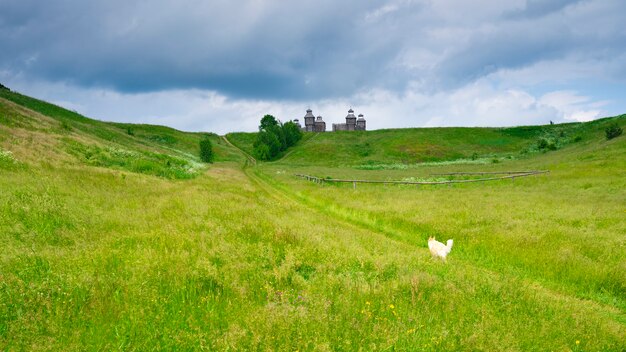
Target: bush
552,146
292,133
262,152
542,143
274,137
613,131
206,150
267,145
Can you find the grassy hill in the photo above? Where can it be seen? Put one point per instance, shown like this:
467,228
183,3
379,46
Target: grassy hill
419,145
112,239
43,132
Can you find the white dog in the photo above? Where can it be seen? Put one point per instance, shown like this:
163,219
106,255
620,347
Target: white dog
438,249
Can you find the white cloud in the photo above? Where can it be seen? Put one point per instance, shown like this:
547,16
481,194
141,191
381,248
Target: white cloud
381,11
573,106
219,66
476,104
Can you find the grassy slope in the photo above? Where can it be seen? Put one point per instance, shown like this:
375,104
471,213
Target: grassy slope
100,258
544,228
416,145
148,149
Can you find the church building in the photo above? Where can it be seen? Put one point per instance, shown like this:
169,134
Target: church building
313,124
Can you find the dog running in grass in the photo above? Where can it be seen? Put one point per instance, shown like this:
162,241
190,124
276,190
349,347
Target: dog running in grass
438,249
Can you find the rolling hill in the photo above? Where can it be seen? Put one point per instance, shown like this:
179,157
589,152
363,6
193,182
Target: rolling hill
419,145
115,237
40,131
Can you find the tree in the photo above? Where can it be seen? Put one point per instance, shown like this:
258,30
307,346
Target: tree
206,150
613,131
262,152
266,146
274,137
292,133
268,123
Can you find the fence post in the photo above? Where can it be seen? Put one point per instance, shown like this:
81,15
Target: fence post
353,184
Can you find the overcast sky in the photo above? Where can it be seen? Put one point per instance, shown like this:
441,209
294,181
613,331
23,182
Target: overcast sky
220,65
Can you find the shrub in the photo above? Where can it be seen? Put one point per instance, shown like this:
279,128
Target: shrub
292,133
262,152
206,150
275,137
542,143
552,146
613,131
267,145
130,131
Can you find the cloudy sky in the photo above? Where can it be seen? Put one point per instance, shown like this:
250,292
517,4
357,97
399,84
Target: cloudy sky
220,65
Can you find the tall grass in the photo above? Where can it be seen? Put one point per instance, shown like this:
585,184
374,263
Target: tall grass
109,258
217,263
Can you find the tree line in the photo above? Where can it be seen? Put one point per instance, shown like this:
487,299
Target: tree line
275,137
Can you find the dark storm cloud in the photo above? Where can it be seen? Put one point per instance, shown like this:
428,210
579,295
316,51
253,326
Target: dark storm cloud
582,31
252,49
292,50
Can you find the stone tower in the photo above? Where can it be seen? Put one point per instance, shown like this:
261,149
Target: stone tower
320,125
360,123
309,121
351,120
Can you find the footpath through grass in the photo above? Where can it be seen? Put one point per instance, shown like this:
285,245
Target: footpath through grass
104,257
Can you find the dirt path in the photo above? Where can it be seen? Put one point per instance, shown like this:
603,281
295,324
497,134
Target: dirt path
249,158
400,237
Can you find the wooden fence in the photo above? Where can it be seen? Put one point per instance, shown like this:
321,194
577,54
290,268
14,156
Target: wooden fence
507,175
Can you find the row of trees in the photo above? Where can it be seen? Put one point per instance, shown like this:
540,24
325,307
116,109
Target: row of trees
275,137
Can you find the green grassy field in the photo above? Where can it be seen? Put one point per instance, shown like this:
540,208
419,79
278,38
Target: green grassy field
380,148
125,241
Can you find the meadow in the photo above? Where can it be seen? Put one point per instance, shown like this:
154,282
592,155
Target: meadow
116,237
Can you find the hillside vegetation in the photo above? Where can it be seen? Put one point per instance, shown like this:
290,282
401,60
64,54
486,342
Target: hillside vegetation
40,132
418,145
116,237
